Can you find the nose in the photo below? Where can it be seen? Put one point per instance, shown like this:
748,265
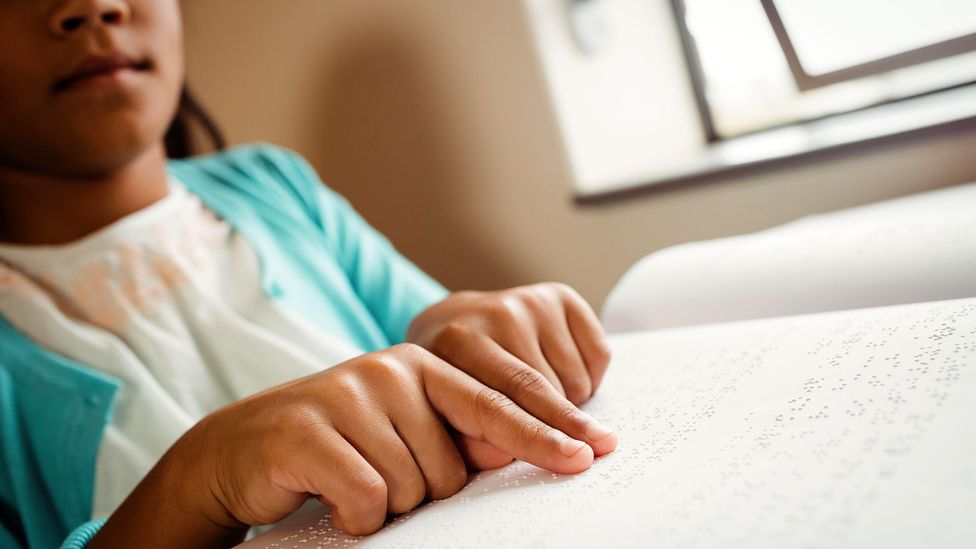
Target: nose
70,16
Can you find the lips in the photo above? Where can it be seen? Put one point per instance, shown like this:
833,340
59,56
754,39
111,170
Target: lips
93,66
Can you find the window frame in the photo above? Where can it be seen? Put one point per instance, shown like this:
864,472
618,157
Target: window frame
806,81
697,79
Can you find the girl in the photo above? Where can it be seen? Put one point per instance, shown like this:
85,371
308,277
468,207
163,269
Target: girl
192,346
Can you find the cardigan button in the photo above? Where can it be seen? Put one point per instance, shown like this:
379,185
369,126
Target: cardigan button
92,400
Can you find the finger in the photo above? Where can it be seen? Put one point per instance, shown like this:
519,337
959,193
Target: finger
334,470
485,414
555,354
588,334
533,393
432,447
380,444
562,353
524,347
479,455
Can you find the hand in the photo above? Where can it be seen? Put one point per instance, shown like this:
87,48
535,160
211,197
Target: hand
532,343
365,437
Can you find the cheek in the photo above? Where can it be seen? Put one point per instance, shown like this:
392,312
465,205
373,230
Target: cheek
169,32
26,122
158,23
24,75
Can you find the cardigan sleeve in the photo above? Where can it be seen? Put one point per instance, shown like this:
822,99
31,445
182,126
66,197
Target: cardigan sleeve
80,536
392,288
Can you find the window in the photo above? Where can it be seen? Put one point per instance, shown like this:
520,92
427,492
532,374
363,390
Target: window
759,64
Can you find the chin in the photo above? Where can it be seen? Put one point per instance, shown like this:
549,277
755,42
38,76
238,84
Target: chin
96,160
110,132
98,153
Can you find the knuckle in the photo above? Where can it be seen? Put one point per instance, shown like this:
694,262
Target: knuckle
369,492
409,493
403,351
525,381
448,484
454,333
568,415
345,388
602,354
409,356
533,431
292,419
538,297
507,308
492,405
387,368
560,288
398,363
524,292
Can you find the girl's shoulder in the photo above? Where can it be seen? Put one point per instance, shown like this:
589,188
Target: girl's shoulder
249,163
249,160
274,178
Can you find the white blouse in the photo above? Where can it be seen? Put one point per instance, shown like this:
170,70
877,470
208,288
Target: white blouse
169,301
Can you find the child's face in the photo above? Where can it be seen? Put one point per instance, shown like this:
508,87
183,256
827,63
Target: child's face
92,129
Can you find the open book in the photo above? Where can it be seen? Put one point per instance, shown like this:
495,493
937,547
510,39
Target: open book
851,428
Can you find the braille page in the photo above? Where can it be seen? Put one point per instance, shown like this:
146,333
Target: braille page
849,429
909,250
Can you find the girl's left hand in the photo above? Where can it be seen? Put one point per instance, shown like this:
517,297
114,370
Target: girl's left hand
521,341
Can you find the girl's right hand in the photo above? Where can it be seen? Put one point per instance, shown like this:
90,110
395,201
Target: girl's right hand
367,437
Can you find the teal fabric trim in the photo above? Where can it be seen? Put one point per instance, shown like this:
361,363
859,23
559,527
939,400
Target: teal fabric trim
54,412
80,536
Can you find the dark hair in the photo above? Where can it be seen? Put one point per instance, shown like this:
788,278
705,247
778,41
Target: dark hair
179,136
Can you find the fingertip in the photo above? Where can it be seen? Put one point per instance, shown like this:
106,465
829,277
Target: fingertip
578,457
595,431
601,438
569,447
337,521
604,445
356,528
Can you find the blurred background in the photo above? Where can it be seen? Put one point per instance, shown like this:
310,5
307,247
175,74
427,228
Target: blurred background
504,142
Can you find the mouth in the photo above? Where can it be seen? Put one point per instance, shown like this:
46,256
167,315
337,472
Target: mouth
109,70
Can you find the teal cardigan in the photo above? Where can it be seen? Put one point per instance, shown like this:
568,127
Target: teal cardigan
319,259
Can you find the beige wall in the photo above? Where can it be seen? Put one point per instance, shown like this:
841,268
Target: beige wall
431,116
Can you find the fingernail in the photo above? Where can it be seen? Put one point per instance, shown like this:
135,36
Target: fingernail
595,431
570,447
